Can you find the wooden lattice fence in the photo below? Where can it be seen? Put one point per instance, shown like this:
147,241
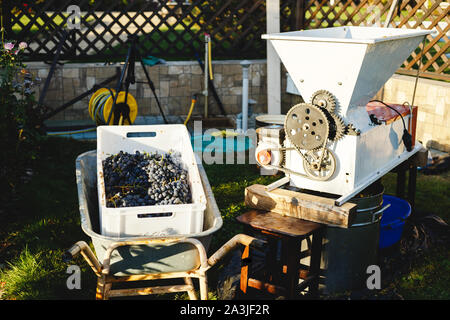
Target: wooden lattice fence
174,30
166,29
422,14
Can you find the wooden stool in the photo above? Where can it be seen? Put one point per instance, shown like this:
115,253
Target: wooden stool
284,237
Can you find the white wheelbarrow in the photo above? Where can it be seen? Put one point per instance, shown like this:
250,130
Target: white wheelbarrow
137,258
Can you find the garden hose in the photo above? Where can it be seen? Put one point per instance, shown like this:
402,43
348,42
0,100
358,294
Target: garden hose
100,107
193,101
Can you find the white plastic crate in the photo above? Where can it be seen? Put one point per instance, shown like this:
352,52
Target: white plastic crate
156,220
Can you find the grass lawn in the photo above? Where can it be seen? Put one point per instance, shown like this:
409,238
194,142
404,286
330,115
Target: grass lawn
43,221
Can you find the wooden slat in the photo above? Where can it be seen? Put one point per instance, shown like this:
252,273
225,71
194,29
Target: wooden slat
426,49
300,205
438,53
276,223
411,13
429,75
443,67
271,288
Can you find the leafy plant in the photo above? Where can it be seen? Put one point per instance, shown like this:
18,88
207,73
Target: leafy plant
20,116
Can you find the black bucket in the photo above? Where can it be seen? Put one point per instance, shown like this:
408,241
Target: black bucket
348,252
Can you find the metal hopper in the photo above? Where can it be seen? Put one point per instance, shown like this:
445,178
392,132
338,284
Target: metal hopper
351,62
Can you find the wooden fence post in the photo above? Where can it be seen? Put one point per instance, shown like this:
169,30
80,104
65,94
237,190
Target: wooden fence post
273,61
300,15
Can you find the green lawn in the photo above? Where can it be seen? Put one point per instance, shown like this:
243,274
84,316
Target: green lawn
42,221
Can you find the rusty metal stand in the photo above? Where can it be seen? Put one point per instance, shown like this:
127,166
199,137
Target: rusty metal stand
283,270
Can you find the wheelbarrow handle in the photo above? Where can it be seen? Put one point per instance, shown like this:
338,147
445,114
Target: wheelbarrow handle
230,245
83,248
71,253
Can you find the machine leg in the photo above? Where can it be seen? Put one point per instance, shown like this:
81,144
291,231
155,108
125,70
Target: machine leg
401,176
412,179
293,265
316,252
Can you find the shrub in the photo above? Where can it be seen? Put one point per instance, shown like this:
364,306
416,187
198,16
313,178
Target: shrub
20,117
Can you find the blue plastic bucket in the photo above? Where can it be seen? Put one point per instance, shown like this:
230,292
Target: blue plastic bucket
393,220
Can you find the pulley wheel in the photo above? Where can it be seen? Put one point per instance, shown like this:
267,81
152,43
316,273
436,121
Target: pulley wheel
319,170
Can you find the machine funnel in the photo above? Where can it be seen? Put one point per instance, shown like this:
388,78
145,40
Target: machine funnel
352,63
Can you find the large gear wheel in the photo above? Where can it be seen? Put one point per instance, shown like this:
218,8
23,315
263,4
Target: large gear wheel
324,99
306,126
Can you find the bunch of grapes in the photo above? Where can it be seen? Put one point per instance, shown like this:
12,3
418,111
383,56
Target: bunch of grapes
144,179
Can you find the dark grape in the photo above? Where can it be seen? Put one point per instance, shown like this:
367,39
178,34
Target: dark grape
143,179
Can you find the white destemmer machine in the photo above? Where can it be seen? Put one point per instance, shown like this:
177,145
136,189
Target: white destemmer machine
329,143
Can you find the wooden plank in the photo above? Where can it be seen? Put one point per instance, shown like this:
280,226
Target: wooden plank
271,288
430,75
300,205
383,113
278,224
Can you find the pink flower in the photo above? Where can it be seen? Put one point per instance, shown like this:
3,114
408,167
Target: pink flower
23,45
9,46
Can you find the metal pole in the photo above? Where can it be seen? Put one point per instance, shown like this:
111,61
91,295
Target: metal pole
245,65
390,13
205,92
273,61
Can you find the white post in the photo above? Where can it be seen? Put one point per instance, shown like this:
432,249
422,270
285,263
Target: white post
245,66
273,61
206,75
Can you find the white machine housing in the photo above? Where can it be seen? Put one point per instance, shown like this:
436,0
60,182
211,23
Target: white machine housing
353,63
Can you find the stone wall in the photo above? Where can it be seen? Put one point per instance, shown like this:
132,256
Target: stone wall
176,82
433,101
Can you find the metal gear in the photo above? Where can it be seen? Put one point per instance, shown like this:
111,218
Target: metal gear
324,99
319,166
351,130
306,126
339,128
